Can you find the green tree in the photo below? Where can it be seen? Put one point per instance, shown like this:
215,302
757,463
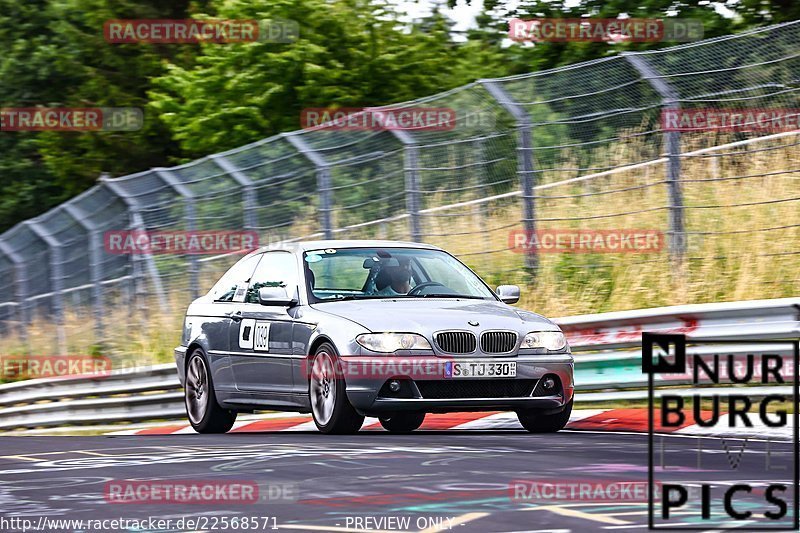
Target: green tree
348,54
718,18
55,55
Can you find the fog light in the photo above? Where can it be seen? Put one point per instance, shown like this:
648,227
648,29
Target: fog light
394,385
548,383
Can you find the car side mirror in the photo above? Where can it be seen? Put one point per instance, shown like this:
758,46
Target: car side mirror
508,293
276,296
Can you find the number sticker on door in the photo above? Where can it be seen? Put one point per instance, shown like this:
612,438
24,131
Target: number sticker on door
261,337
246,333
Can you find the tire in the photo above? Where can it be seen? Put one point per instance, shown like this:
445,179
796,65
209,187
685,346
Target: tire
537,423
403,422
327,393
202,409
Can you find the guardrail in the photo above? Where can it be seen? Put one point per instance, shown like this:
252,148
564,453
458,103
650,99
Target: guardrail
121,396
605,346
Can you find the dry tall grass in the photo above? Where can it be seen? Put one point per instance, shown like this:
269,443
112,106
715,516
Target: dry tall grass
731,254
735,256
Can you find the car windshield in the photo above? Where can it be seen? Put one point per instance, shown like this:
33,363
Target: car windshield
360,273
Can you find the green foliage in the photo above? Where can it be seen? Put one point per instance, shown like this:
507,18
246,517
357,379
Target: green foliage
348,54
55,55
718,18
201,99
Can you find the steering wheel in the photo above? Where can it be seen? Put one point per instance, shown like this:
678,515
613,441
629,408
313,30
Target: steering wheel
415,290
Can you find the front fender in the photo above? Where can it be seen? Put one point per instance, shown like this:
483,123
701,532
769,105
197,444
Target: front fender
317,326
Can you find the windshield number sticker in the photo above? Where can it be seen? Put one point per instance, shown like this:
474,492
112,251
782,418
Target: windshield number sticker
241,292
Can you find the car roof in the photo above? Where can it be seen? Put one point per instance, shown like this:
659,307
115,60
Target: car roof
303,246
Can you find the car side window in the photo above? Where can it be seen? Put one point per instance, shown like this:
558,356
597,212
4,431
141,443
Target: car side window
237,276
276,269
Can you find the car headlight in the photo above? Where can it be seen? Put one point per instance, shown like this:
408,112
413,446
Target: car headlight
551,340
391,342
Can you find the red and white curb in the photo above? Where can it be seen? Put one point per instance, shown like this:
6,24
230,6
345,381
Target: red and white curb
613,420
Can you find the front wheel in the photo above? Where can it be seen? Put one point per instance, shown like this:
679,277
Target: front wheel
538,423
403,422
205,414
330,407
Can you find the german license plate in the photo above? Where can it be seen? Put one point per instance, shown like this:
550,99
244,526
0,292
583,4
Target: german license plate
480,369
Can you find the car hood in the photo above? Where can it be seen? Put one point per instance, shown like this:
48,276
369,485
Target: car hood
430,314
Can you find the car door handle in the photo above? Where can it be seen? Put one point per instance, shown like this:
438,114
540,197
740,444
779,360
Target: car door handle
236,317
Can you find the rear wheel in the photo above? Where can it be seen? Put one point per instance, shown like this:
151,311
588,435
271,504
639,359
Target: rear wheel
403,422
538,423
205,414
330,407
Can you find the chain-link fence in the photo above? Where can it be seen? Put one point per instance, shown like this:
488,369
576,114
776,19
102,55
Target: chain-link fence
582,147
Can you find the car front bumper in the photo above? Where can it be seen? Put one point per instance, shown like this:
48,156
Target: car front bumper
546,404
430,391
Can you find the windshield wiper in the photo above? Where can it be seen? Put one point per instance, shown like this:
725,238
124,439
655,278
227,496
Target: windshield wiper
349,297
449,295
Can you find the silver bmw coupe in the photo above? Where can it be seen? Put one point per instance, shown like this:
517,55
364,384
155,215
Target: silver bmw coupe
348,329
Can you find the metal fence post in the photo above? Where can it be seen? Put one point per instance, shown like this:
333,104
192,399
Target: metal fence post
137,223
672,146
525,167
21,286
323,180
56,280
248,194
481,210
411,172
95,242
191,224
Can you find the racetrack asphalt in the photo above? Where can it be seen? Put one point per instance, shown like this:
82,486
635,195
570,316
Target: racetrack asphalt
455,480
